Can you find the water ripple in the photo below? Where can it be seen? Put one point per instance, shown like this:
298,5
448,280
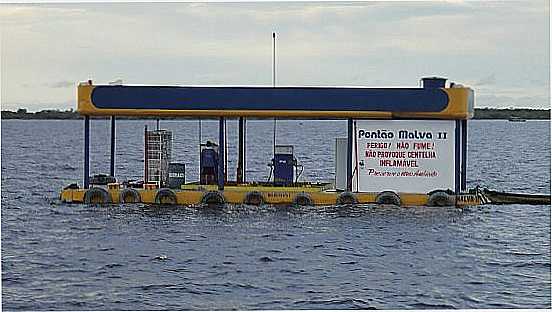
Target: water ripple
139,257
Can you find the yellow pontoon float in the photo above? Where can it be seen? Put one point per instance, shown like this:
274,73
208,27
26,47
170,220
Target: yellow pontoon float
404,146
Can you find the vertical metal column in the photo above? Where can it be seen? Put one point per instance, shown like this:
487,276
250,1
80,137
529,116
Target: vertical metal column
112,166
221,155
199,147
457,156
146,169
86,181
239,174
464,154
349,154
225,153
244,149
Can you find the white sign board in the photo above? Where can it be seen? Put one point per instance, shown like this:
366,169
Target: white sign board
411,156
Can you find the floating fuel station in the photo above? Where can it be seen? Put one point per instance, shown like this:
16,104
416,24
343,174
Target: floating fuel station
404,146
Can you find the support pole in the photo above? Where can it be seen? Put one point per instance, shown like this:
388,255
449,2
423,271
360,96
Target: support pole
221,155
199,135
199,147
464,154
457,157
239,173
349,154
225,153
86,181
274,139
112,166
146,156
244,150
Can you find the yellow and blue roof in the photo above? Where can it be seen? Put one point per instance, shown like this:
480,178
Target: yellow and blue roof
279,102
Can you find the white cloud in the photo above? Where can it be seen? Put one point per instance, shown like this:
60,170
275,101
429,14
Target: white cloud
62,84
495,46
495,101
487,80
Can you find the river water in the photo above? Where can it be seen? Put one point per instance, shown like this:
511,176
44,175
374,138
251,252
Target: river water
74,257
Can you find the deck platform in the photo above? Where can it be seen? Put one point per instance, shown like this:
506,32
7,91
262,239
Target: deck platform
315,195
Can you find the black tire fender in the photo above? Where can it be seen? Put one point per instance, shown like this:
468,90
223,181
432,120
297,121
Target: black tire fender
129,195
303,199
346,198
165,196
254,198
388,198
213,198
441,199
96,195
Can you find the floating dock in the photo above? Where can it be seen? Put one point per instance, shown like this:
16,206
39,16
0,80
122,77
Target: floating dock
404,146
256,196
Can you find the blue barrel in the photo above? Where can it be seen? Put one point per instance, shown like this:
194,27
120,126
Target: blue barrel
177,175
433,82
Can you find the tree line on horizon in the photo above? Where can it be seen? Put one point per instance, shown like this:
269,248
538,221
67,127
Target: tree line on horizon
479,113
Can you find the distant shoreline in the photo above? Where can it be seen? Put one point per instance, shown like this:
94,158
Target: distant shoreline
480,113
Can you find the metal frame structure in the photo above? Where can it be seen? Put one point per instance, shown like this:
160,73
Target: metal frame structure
158,156
278,102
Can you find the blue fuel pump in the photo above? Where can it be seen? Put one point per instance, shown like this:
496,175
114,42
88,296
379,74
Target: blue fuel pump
284,166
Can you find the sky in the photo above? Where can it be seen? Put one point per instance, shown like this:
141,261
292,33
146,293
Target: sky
501,49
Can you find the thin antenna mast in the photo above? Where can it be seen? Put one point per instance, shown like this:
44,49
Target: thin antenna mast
199,132
274,85
273,59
